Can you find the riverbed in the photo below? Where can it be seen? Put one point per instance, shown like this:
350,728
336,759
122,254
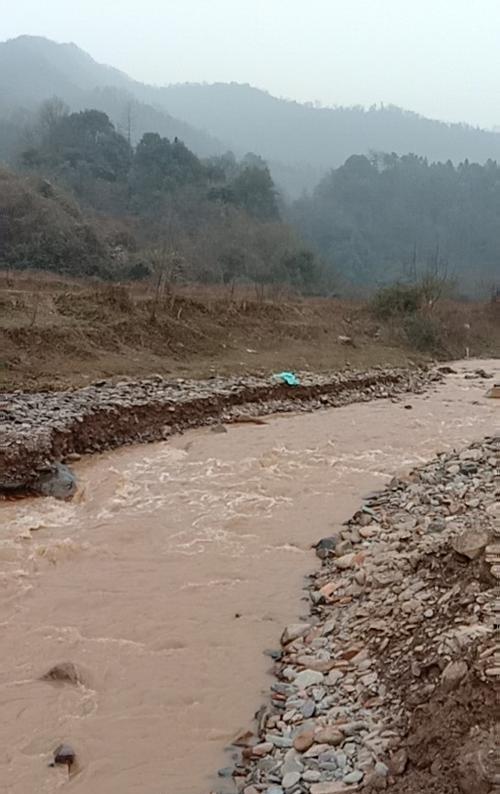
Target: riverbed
173,570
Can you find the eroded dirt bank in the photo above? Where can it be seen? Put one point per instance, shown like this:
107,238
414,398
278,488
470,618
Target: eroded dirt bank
178,564
38,429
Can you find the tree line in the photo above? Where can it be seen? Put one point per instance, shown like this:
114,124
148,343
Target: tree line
384,218
156,207
148,206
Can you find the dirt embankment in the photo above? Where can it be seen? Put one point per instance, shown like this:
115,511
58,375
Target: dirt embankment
37,429
57,333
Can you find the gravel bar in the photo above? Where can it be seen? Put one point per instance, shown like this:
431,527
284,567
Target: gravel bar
40,429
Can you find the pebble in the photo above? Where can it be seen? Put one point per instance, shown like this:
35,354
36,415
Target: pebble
294,631
354,777
303,741
471,544
290,779
334,787
381,770
262,749
398,762
64,755
326,547
453,674
329,736
311,776
65,672
346,561
308,708
307,678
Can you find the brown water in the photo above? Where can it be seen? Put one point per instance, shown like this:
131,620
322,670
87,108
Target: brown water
167,579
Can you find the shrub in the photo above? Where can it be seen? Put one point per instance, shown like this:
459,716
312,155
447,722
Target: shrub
397,300
423,333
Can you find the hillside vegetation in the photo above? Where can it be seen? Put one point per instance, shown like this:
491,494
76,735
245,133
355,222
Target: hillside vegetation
121,189
386,218
86,202
299,141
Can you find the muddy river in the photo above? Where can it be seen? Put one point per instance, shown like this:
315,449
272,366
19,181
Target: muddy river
171,573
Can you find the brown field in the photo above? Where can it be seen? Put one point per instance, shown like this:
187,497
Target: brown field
56,332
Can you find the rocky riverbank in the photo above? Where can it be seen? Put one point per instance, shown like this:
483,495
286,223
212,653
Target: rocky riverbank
40,429
393,679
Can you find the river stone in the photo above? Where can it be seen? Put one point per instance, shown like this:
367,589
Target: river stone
262,749
59,482
346,561
292,762
471,543
290,779
453,674
218,428
308,708
326,547
381,770
341,759
65,755
354,777
398,762
308,678
436,525
294,631
284,742
303,741
329,735
333,677
65,672
311,776
333,787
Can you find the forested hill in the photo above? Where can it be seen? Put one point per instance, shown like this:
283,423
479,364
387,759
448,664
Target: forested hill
34,69
326,137
300,142
389,218
85,202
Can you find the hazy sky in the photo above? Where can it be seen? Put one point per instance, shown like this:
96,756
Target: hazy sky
438,57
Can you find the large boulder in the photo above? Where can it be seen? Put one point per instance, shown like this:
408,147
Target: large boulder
59,482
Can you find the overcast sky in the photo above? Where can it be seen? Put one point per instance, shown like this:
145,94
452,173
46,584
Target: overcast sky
438,57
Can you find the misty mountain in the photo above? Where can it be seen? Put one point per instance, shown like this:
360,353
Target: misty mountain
299,141
322,137
33,69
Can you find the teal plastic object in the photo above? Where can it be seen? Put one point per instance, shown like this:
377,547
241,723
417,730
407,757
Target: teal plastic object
289,378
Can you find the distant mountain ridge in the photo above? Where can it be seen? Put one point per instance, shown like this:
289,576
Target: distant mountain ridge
322,136
299,141
33,69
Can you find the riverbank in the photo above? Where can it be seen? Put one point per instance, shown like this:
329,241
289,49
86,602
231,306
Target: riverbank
393,680
39,429
175,567
60,333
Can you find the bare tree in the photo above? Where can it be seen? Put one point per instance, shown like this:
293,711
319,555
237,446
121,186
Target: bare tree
168,268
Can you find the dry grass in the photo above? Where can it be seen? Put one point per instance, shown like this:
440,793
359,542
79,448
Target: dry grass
56,332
